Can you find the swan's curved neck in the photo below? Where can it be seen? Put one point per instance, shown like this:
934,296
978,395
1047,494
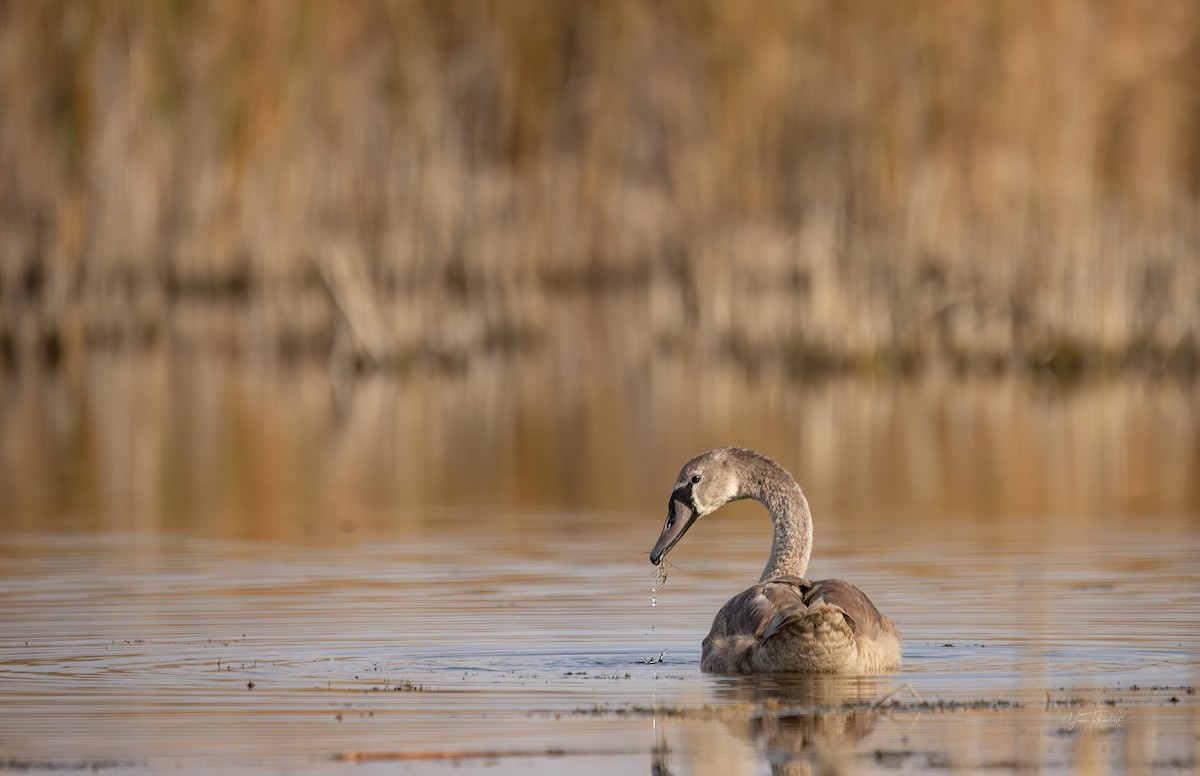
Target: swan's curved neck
791,544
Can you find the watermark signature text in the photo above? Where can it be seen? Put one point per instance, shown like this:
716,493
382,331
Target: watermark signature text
1099,718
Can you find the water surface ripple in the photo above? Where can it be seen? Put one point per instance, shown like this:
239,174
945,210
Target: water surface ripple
187,653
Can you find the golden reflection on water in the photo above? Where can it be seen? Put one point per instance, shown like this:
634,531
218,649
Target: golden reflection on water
151,443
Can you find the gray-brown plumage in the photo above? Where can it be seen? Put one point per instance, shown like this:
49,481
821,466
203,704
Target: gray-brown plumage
785,623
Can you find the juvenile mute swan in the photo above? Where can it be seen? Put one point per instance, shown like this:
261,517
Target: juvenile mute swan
785,622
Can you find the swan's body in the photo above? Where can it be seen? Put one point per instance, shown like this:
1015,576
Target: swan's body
785,622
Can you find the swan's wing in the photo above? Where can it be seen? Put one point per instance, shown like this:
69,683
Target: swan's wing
758,610
864,618
750,617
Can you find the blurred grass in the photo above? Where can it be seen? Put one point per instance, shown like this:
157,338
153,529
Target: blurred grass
806,186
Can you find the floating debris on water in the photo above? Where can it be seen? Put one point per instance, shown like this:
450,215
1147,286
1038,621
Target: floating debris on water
774,709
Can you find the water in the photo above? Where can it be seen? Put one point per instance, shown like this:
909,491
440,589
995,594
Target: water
164,609
182,652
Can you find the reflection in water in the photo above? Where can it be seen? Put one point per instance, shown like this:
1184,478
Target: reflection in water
205,446
801,721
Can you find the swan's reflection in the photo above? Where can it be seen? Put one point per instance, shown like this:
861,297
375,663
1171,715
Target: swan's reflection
797,723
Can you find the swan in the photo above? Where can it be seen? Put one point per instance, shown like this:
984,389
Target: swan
785,623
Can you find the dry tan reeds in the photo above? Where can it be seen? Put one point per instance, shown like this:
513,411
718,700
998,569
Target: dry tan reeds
806,184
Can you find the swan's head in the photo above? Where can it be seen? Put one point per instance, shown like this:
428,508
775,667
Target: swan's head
707,482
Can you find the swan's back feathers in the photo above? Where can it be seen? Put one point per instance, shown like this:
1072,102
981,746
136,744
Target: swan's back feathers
793,624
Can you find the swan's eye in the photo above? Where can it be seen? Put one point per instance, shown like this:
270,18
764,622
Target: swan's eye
670,521
695,478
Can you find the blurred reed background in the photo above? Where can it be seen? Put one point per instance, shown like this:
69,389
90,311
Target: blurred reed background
806,186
